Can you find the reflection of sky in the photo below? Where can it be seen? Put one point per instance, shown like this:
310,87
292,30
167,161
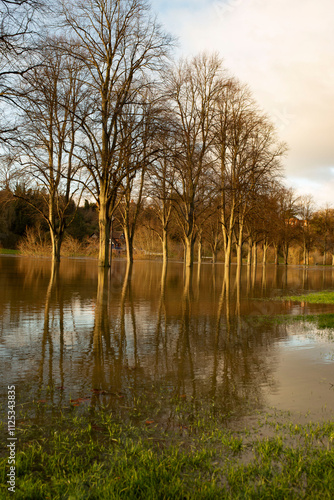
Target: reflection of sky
304,372
298,341
30,326
23,337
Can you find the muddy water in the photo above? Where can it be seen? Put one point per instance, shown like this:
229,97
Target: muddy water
77,330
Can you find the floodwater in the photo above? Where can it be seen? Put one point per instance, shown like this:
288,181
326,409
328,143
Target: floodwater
78,330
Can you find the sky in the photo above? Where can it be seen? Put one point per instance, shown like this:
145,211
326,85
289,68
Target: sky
284,51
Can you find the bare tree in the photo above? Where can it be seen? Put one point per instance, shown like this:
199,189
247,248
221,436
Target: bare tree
161,181
306,212
287,223
121,42
247,158
45,159
139,150
263,220
211,226
193,86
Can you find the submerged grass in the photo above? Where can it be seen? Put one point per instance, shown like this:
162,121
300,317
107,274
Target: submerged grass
91,453
321,321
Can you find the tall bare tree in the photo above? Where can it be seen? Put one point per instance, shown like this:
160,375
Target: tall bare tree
193,86
140,127
45,159
247,158
121,41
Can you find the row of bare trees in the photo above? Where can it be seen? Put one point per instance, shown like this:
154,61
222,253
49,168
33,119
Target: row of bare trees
215,156
102,109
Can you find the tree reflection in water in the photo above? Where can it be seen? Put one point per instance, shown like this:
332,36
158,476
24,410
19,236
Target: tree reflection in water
131,331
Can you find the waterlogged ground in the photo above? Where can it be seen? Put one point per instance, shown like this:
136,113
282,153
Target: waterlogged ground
82,336
151,383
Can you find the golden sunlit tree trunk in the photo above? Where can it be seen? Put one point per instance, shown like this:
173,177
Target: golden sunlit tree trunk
104,227
265,252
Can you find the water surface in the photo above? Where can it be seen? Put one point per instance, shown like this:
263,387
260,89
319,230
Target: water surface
82,332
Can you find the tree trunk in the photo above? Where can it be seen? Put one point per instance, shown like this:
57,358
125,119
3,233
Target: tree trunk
286,254
56,241
239,254
227,257
129,245
227,236
187,280
110,240
189,251
199,252
249,253
304,255
214,248
276,255
163,279
239,244
104,229
265,252
255,254
164,247
56,234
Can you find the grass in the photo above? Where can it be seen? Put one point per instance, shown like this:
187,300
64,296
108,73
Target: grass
191,453
324,297
8,251
321,321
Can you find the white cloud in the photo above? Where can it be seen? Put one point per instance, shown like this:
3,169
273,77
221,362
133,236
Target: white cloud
285,52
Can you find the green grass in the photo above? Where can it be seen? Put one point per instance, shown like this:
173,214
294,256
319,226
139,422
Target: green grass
8,251
87,453
324,297
322,321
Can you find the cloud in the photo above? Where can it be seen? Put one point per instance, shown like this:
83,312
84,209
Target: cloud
284,51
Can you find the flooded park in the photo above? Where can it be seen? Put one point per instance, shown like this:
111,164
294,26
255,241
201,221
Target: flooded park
166,250
78,333
164,382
